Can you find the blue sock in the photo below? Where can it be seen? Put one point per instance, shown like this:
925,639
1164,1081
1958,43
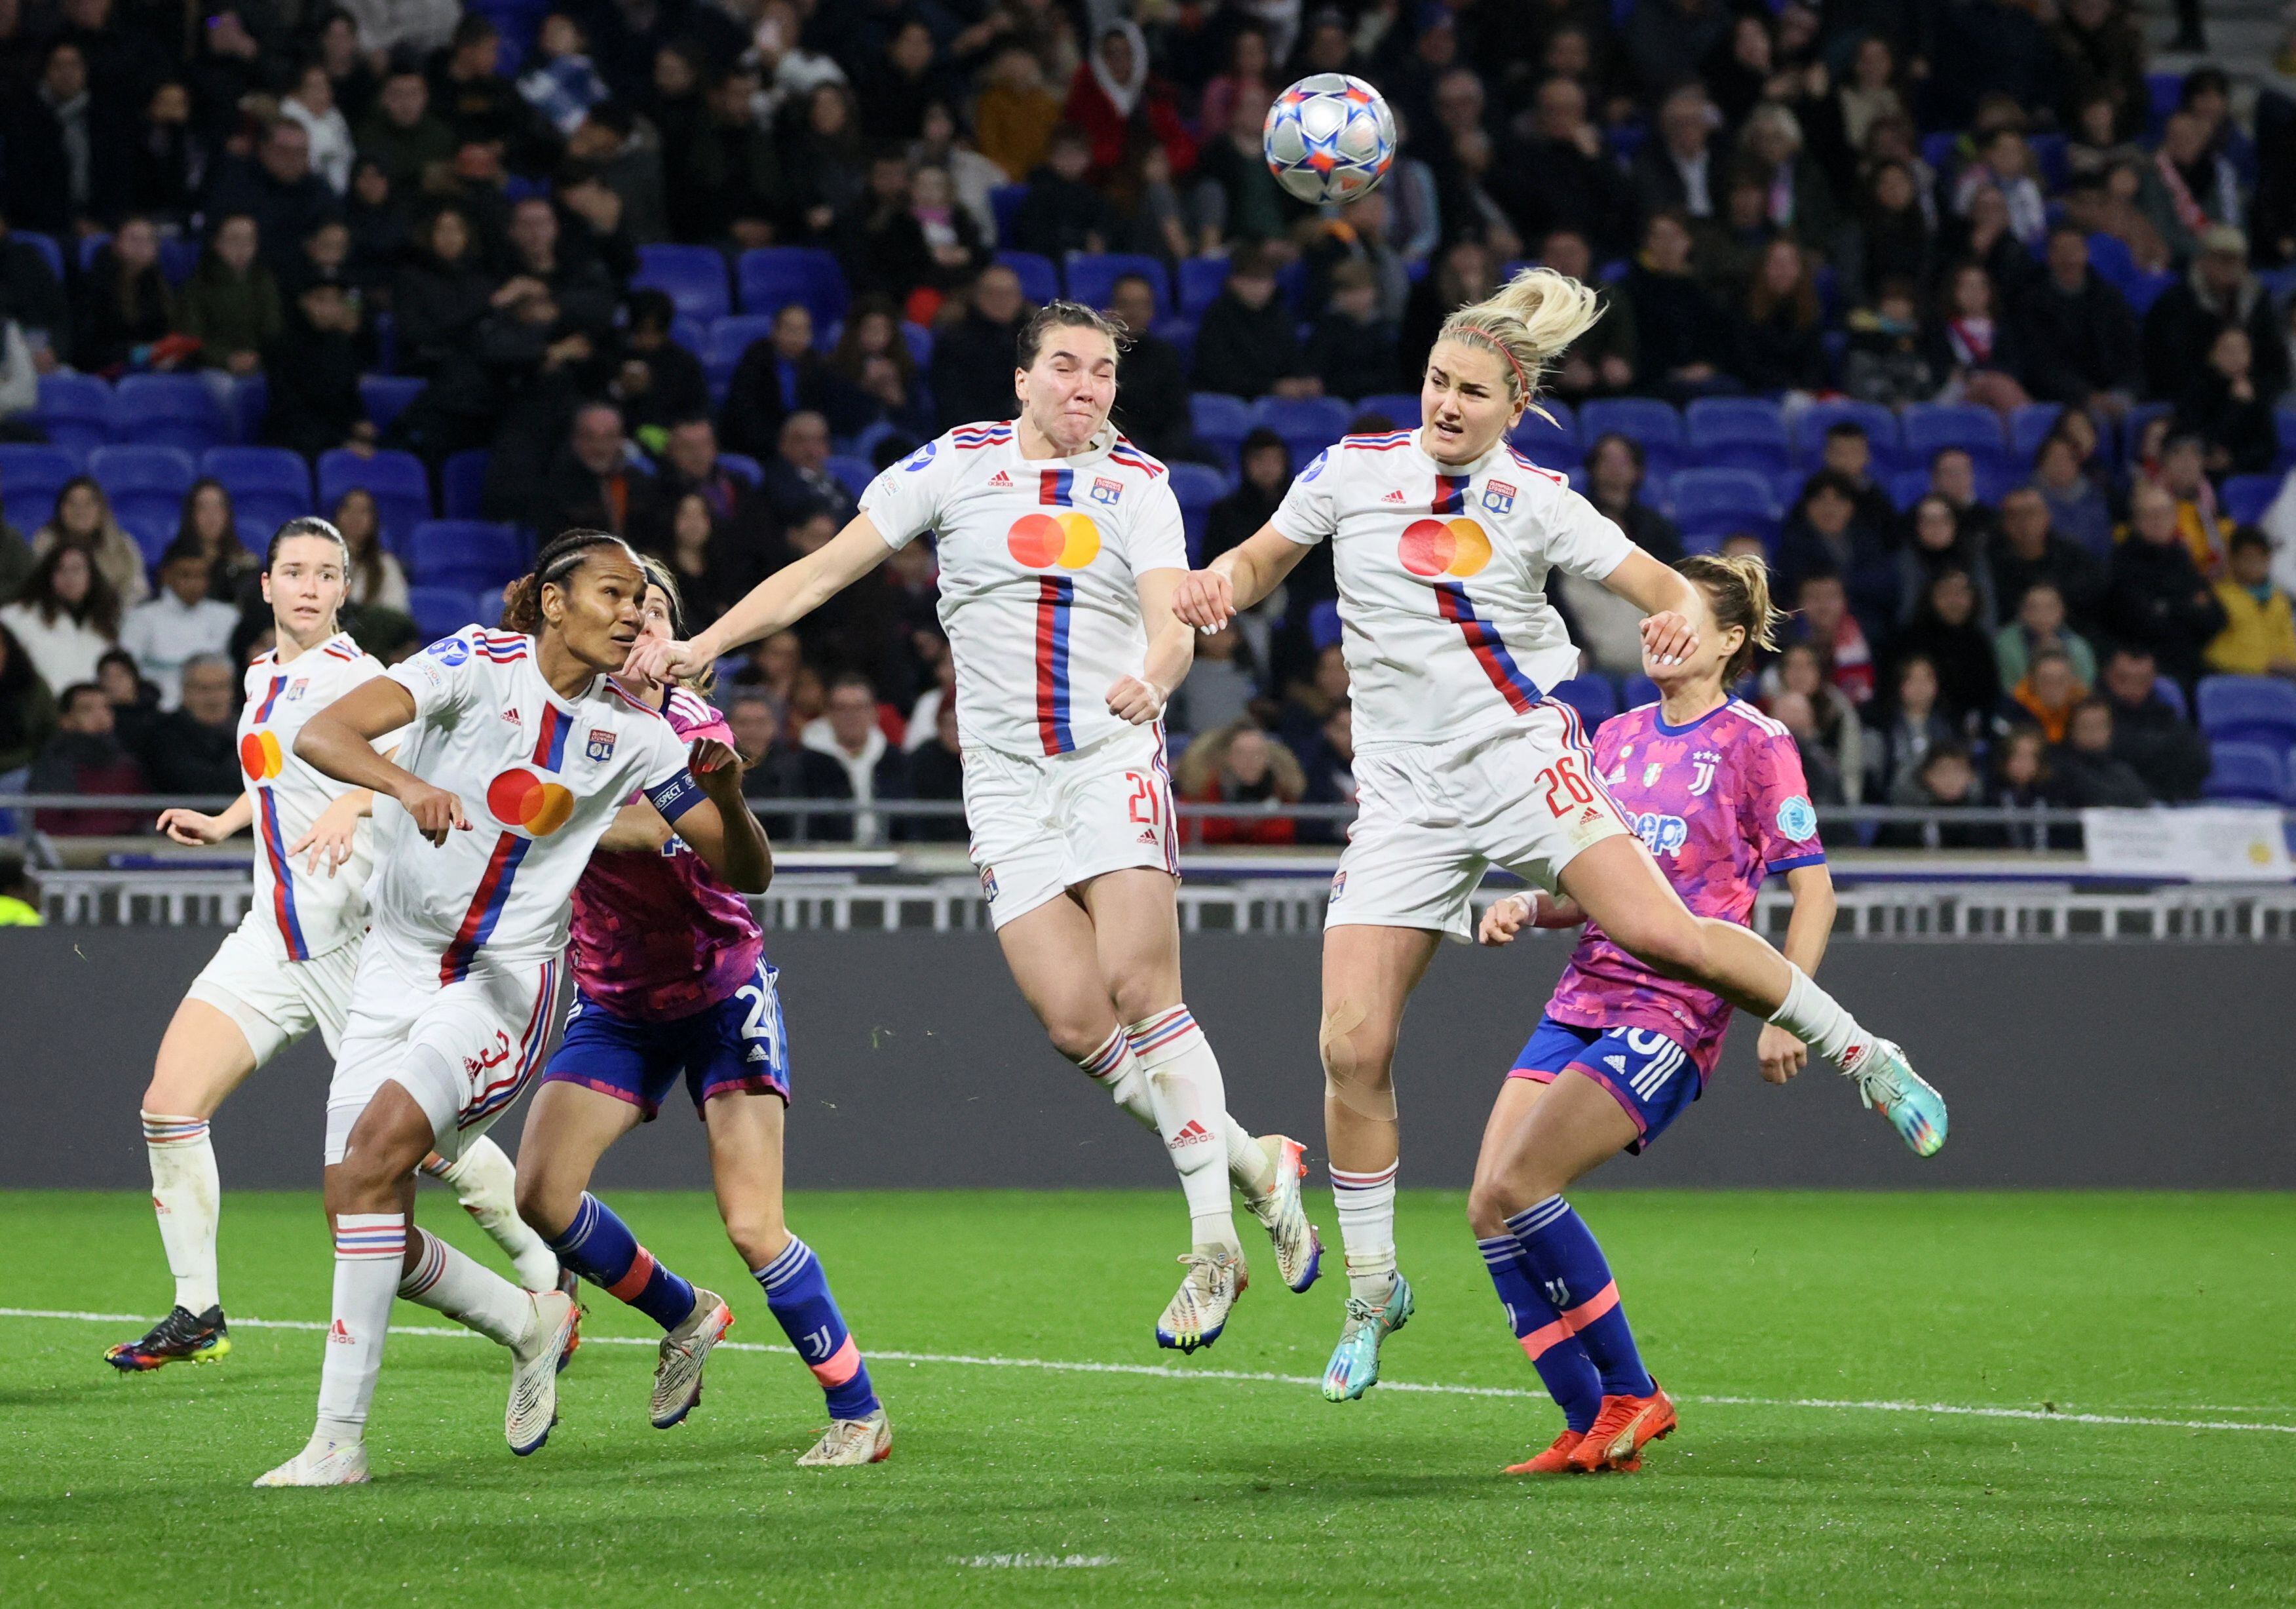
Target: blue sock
1570,1269
797,1291
1559,1356
600,1247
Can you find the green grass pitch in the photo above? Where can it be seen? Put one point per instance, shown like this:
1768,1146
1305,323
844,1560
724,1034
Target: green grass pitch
1785,1322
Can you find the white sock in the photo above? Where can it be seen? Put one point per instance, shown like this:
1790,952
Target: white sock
1365,1205
1112,1067
369,1247
446,1281
1191,1101
1817,1019
1247,1164
484,1181
186,1197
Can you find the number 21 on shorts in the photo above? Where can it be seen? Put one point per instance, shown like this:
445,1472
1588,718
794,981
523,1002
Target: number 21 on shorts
1146,802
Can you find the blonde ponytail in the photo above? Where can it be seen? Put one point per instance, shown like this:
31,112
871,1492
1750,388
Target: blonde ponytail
1529,321
1739,587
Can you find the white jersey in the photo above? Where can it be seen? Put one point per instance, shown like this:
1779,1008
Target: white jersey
1040,561
311,914
540,778
1442,573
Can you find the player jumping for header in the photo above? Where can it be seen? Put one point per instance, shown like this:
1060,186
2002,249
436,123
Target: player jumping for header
1443,537
1060,547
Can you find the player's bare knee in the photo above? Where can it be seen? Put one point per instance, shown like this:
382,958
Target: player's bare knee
1489,1204
1359,1061
545,1204
758,1237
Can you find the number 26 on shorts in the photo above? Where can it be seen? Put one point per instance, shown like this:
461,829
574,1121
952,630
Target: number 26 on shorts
1565,788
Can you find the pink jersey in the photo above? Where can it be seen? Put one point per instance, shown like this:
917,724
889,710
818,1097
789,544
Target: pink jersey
1719,802
659,937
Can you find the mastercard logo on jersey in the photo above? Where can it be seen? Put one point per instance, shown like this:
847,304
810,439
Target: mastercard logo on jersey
1040,541
261,756
526,803
1445,547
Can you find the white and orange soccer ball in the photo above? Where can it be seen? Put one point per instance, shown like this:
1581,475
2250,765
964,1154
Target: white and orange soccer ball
1329,138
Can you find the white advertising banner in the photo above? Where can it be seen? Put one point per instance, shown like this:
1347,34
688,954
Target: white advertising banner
2209,844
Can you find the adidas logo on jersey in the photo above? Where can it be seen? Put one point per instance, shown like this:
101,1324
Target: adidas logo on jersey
1000,480
1193,1134
1392,497
338,1333
1147,835
513,717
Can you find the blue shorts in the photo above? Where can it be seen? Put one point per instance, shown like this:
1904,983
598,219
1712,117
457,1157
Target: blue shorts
1650,1075
735,1044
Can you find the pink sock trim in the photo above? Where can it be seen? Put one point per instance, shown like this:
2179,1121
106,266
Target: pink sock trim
1600,1302
627,1288
843,1364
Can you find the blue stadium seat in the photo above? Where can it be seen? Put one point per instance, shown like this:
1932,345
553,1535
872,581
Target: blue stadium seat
1737,432
1592,696
694,278
439,611
920,340
1091,278
2248,710
2247,497
1324,628
1639,690
468,554
30,477
2284,422
691,334
1880,432
168,410
2245,772
1737,497
91,247
1403,408
2168,690
148,518
728,337
1307,424
743,468
854,475
46,245
385,397
1201,280
1004,203
462,483
2028,427
1931,427
2146,289
1181,331
166,469
268,486
1040,280
178,258
1196,486
401,486
1551,443
1908,487
772,277
1654,425
1217,416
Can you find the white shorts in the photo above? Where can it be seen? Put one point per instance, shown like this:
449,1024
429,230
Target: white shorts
277,1001
1043,823
464,1050
1432,819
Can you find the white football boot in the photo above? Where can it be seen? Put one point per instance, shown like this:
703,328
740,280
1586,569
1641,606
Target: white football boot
534,1372
1199,1309
852,1441
321,1463
677,1368
1283,1211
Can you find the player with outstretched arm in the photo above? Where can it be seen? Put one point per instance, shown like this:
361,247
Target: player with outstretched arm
1060,547
286,968
1442,538
518,752
1714,789
671,980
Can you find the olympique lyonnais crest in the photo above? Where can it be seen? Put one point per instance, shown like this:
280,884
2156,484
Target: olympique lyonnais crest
1498,497
1104,491
601,746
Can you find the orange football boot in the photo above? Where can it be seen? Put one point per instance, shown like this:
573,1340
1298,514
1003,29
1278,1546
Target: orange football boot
1554,1461
1625,1425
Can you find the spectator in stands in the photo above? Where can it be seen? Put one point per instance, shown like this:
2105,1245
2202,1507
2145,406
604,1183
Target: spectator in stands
2084,772
935,770
2224,408
2004,163
779,375
1947,780
2038,623
278,189
134,701
27,710
1559,174
2156,597
1822,619
375,579
85,756
1681,338
1888,360
1352,352
1944,629
1781,346
820,160
1239,764
125,313
2160,745
1979,353
1676,172
973,360
598,481
1465,273
402,134
1801,672
1847,452
66,160
1911,727
1616,468
690,463
31,294
2031,552
2075,513
1800,202
561,82
1792,712
1937,538
2078,335
178,624
193,747
1117,100
2260,634
1246,345
657,381
1826,537
779,770
231,306
849,733
1327,762
1892,238
1601,361
1223,683
2179,467
442,296
709,572
82,519
313,368
878,239
2044,695
772,668
2021,781
877,370
16,560
1266,463
1152,403
312,104
798,482
209,522
2190,191
1667,42
2217,290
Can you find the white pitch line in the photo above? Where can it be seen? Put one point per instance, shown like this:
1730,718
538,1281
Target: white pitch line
1254,1377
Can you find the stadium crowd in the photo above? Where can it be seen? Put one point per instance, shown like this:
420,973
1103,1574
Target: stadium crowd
1974,327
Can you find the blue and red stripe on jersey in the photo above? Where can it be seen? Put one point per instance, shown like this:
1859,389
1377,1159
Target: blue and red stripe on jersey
1056,600
1132,457
1451,494
1056,487
271,697
497,649
971,435
1376,444
486,908
1489,647
550,738
282,877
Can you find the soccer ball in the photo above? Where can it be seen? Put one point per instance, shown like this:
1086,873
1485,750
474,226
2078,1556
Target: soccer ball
1329,138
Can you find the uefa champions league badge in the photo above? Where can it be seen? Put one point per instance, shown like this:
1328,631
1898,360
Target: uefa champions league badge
449,650
1797,820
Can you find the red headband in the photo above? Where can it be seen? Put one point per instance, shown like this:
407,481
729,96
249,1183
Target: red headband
1505,352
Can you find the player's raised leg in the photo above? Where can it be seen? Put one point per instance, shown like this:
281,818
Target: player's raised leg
203,1058
484,1181
1369,971
745,1162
